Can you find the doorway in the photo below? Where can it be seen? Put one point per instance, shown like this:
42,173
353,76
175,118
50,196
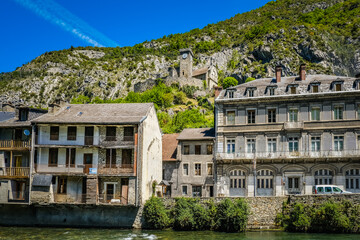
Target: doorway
124,190
294,185
19,191
88,159
109,191
89,135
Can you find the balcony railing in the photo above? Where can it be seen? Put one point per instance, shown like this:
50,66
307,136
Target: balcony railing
114,199
290,155
14,172
15,144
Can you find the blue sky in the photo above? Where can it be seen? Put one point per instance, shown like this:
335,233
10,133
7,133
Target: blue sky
32,27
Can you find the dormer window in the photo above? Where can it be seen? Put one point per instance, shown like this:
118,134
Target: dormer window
230,93
23,114
357,84
270,91
292,88
315,88
337,86
250,92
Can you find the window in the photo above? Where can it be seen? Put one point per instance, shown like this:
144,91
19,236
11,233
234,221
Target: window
54,133
293,90
197,149
126,158
230,118
71,133
271,91
231,93
271,145
185,169
70,157
250,145
293,115
293,184
315,144
196,190
184,190
53,157
293,144
251,116
352,180
197,169
315,114
61,188
271,115
230,146
323,176
358,142
251,92
358,110
186,149
237,179
210,169
338,112
209,149
110,158
265,179
128,133
23,114
338,143
338,87
110,134
315,88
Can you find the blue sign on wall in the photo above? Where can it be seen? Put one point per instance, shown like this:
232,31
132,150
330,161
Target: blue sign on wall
92,170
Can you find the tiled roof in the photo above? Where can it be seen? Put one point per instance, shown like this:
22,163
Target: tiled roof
122,113
169,146
197,134
200,71
6,116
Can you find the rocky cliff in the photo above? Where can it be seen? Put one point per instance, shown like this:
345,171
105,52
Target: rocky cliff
324,34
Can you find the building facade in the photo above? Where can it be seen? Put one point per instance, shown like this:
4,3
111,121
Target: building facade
97,154
15,153
283,135
188,163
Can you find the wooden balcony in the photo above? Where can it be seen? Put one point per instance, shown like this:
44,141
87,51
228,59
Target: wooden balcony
15,145
14,172
121,169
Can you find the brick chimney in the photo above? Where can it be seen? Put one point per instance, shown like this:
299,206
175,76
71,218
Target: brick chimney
217,91
278,70
302,72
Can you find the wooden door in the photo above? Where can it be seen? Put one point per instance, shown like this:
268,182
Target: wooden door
124,191
89,135
88,159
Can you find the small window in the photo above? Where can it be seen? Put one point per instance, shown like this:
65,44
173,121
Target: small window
231,93
315,88
272,91
197,149
186,149
251,92
320,189
184,190
186,169
338,87
327,189
110,134
128,133
293,90
53,157
54,133
210,169
315,114
251,116
197,169
338,112
71,133
271,115
230,117
209,149
24,114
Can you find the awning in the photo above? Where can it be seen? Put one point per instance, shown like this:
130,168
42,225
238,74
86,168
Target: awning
42,180
164,183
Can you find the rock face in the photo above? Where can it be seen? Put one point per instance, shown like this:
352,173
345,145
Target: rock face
110,73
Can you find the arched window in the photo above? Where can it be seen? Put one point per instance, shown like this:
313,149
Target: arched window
324,176
237,179
265,178
352,177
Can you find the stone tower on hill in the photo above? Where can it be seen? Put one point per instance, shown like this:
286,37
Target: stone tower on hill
186,62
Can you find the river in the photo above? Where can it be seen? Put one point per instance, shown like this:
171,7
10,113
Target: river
89,234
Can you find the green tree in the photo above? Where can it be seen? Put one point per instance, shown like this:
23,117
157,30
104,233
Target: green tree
229,82
249,79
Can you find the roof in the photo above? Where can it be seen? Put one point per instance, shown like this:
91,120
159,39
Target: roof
15,122
200,71
121,113
6,116
197,134
262,84
41,180
169,146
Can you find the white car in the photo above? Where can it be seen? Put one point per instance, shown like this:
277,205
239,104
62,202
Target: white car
328,189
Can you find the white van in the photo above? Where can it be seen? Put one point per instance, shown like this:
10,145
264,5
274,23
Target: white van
328,189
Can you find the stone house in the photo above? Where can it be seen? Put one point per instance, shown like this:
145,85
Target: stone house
97,154
283,135
188,162
15,153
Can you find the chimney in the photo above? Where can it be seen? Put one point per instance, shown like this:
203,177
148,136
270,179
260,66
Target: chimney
302,72
278,70
217,91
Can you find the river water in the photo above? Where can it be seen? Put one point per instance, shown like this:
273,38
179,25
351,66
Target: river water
73,233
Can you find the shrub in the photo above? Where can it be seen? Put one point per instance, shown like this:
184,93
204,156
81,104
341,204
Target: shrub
299,220
155,214
229,82
179,98
231,216
249,79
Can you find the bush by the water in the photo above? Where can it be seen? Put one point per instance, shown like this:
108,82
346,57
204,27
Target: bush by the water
189,214
155,214
328,217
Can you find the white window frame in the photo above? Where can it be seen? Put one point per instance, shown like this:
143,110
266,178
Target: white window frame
233,144
293,112
317,141
336,106
336,146
250,142
237,176
270,145
227,121
310,112
247,115
197,175
105,187
291,139
267,114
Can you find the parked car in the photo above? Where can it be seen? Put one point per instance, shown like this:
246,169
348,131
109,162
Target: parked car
328,189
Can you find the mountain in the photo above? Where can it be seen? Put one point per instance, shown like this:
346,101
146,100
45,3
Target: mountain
324,34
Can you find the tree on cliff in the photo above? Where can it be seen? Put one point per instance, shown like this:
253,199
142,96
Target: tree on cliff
229,82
